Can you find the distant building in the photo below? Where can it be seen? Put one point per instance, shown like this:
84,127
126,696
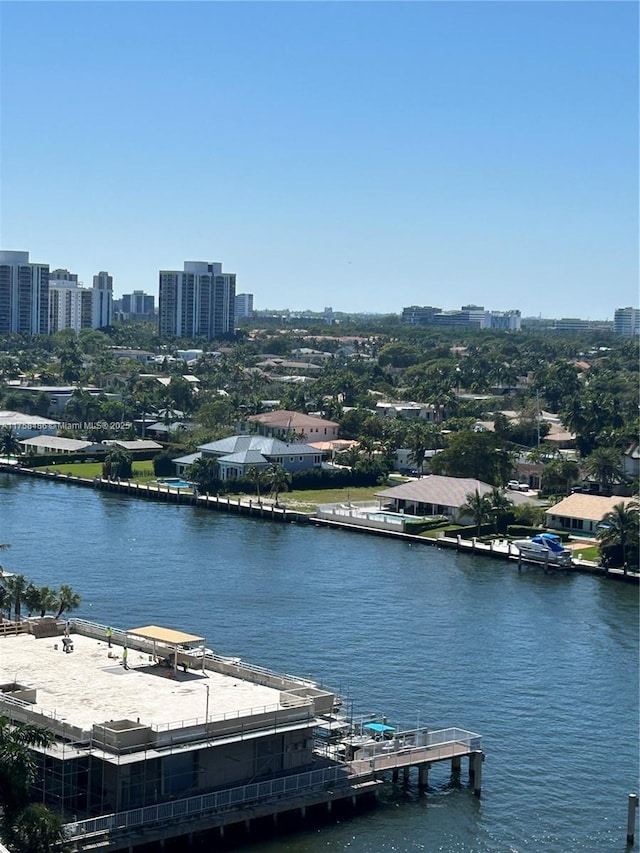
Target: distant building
417,316
138,306
102,300
24,294
70,306
244,305
571,324
469,316
626,321
509,321
200,300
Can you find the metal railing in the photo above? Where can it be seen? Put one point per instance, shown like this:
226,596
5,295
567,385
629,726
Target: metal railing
425,746
218,802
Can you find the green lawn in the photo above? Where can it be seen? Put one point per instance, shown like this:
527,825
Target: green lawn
306,500
142,471
589,552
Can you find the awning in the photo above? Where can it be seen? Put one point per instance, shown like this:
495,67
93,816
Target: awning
165,635
379,727
168,636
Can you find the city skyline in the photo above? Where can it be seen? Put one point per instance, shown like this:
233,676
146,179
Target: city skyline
365,156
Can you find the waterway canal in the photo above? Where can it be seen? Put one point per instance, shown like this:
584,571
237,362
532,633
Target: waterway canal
544,666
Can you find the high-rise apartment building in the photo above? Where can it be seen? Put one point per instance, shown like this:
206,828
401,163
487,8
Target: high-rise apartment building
138,305
102,300
24,294
244,305
626,321
199,301
70,306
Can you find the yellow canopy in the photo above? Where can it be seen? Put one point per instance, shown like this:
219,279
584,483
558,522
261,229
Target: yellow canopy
165,635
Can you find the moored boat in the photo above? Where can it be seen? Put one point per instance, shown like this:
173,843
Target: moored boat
545,548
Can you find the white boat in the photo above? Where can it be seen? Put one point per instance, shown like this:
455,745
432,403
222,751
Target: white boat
545,548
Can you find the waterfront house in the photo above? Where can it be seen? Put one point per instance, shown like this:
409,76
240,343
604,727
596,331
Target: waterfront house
57,444
237,453
26,426
438,495
581,513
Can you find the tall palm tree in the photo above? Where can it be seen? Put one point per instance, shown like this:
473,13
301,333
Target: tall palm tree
256,476
15,586
68,600
478,506
620,528
278,479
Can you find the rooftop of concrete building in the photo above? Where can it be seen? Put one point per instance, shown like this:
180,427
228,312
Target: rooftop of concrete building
90,685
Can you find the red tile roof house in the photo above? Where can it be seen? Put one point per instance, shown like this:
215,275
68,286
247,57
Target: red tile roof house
437,495
282,423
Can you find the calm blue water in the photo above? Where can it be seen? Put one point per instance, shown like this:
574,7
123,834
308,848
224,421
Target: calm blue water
545,667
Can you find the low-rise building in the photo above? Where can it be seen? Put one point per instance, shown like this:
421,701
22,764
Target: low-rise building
26,426
57,444
438,495
581,513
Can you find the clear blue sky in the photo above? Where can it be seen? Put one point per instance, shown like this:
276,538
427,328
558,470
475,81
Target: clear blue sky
365,156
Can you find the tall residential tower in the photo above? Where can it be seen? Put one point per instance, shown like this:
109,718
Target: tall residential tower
24,294
102,300
199,301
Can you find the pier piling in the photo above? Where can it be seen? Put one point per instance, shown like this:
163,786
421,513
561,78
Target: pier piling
476,759
631,818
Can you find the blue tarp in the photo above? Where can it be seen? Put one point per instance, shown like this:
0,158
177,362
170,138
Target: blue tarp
379,727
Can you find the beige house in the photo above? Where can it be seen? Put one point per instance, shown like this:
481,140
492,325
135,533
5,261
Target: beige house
282,424
581,513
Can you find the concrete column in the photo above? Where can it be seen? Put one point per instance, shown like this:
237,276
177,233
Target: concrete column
162,843
303,812
394,774
631,818
354,800
247,825
477,773
275,818
405,775
329,806
423,775
222,831
455,765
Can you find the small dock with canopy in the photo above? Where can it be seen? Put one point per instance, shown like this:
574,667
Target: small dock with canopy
169,642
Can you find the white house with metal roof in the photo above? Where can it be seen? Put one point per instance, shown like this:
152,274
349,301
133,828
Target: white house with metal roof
25,426
237,453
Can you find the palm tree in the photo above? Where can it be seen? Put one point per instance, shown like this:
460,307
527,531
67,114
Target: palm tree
478,506
619,529
17,765
605,466
40,599
204,472
500,504
9,444
278,479
37,829
117,463
68,600
15,586
256,476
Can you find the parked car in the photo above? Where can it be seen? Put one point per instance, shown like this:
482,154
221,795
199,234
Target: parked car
515,486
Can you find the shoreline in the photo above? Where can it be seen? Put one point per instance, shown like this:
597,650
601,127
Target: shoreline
282,514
